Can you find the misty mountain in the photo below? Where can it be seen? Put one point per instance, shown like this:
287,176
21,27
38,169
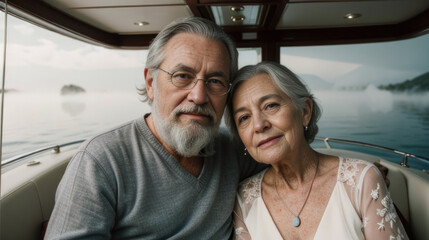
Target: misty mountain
366,75
417,84
314,82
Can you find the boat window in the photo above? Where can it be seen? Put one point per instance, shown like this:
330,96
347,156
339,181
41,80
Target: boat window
376,93
2,70
60,89
248,56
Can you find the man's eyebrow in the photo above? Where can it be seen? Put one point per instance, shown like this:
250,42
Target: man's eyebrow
217,74
260,100
182,67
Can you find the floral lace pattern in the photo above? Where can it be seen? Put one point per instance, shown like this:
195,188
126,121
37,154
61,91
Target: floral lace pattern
365,188
238,233
348,171
387,213
250,189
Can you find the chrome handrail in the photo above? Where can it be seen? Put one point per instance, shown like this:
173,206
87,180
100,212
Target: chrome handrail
404,162
54,148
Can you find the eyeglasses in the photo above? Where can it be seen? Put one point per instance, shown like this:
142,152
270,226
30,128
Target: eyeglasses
186,80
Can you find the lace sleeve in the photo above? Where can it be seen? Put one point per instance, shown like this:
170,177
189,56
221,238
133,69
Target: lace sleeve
241,232
380,220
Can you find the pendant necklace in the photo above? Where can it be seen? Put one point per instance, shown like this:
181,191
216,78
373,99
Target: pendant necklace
296,221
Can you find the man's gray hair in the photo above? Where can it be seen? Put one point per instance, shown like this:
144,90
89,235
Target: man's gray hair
192,25
286,81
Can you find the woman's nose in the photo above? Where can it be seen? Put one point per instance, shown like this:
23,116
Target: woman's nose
260,122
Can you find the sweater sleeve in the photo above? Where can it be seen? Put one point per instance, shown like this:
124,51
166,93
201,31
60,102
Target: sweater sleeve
380,219
85,202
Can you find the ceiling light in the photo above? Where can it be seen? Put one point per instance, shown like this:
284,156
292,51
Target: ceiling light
237,8
141,24
352,15
248,15
238,18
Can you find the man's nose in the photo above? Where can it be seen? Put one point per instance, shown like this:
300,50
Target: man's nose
198,93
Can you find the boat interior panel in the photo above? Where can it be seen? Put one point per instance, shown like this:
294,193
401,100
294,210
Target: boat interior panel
133,24
28,195
28,188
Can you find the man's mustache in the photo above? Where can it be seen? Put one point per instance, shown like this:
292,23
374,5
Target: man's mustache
196,109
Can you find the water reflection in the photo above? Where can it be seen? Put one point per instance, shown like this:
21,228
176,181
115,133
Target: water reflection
73,108
417,104
377,100
398,121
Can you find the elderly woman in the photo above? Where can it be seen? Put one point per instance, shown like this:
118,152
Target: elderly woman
303,194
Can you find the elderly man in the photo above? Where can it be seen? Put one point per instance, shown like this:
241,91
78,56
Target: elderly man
169,174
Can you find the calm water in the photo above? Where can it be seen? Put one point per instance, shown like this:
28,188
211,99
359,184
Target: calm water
33,121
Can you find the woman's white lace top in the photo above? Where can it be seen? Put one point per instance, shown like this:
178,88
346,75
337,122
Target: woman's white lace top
360,207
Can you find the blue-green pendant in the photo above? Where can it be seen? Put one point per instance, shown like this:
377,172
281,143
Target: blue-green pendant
296,221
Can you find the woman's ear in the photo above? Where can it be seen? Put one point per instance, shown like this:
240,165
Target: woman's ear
307,111
148,76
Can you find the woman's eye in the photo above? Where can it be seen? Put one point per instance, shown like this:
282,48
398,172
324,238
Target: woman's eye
272,105
242,119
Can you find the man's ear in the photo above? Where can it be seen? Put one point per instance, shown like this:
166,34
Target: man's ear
307,111
149,83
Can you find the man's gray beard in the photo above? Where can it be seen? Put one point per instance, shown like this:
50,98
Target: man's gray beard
192,139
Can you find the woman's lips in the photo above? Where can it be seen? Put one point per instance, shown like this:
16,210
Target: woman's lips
268,141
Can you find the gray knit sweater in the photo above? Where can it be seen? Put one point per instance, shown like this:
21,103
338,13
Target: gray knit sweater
124,185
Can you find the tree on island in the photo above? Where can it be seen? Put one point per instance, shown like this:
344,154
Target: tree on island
71,89
418,84
7,90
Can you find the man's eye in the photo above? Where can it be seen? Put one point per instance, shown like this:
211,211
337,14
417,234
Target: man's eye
182,76
214,81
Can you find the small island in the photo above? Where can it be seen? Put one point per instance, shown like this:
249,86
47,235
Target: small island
71,90
7,90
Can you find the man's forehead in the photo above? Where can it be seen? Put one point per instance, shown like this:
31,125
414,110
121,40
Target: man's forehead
192,51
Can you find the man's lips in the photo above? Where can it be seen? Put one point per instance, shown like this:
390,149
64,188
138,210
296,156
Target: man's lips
268,141
196,115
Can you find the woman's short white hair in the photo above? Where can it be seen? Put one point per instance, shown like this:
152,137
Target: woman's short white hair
286,81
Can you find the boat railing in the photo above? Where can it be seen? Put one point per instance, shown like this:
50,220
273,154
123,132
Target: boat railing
405,156
326,140
53,149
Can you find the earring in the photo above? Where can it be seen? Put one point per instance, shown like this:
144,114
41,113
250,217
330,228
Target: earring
306,128
245,151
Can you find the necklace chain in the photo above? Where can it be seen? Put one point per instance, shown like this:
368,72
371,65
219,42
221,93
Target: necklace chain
296,219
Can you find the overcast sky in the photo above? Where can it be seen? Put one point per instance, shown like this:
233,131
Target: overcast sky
37,56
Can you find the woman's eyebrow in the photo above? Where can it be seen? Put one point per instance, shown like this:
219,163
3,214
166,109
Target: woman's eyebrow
266,97
260,100
241,109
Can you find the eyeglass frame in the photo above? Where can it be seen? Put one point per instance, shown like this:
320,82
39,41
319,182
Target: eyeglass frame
194,82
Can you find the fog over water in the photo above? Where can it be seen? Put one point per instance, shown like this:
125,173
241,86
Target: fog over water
32,121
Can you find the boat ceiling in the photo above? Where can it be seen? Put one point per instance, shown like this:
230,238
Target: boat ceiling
134,23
